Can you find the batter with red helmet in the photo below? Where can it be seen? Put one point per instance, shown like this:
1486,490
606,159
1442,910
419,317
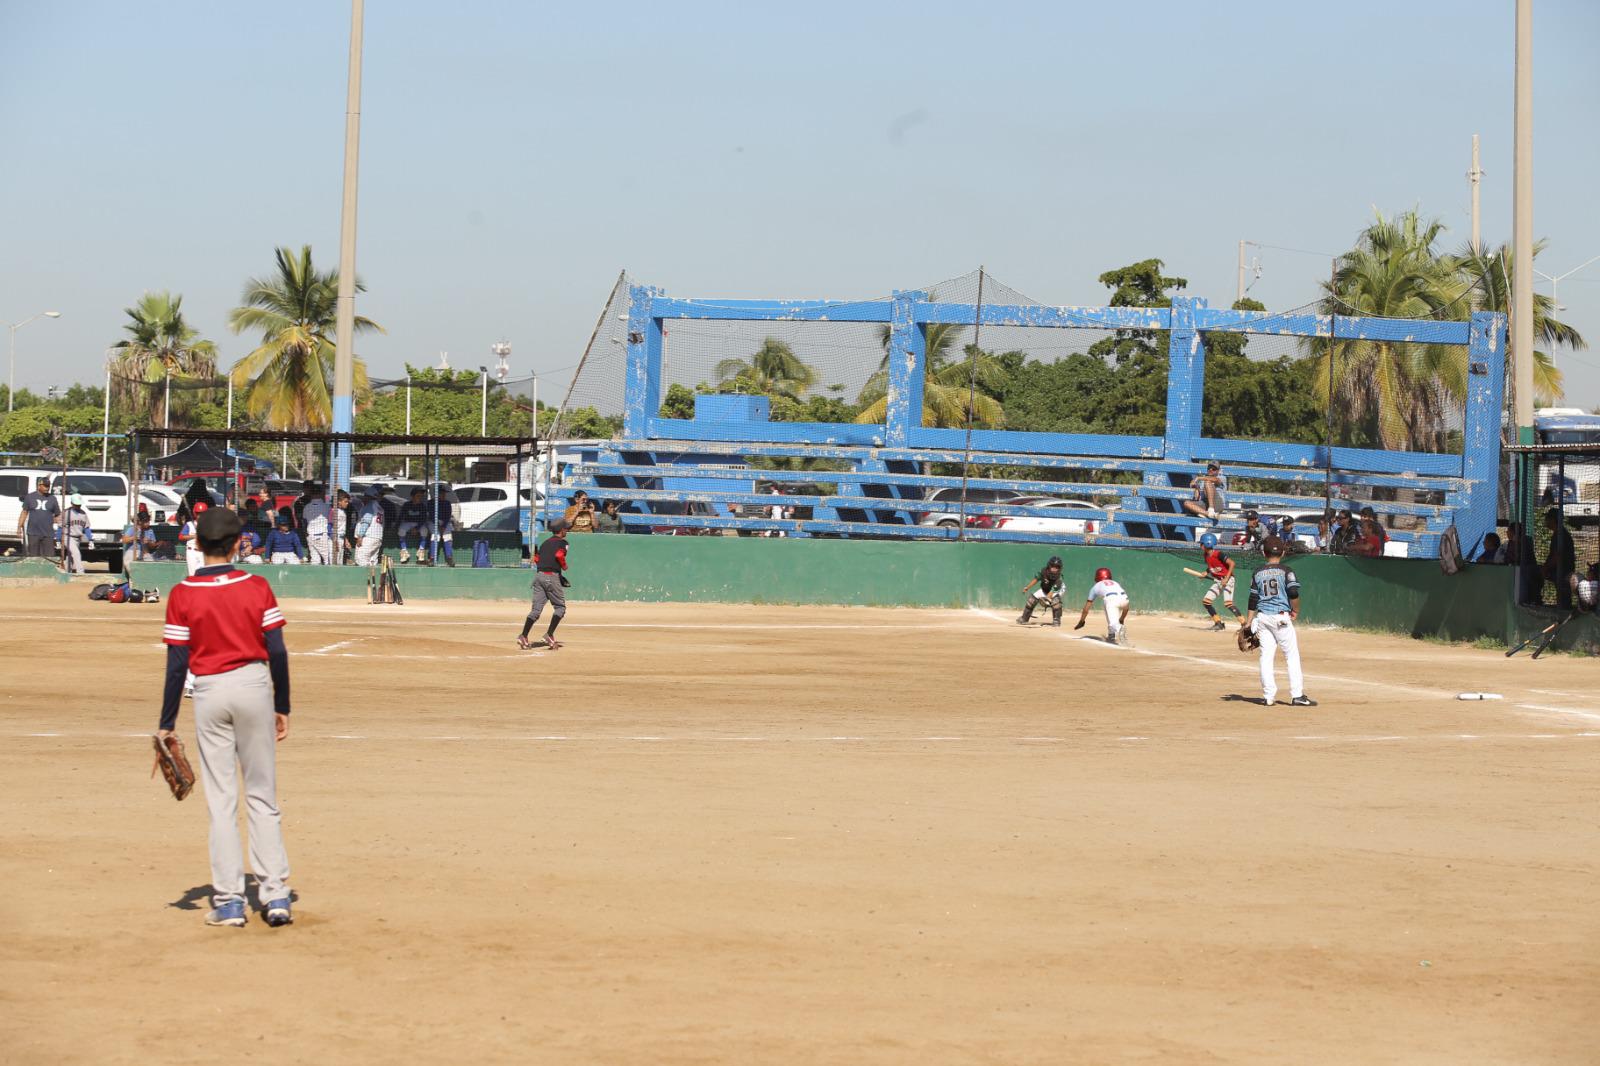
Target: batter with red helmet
1114,598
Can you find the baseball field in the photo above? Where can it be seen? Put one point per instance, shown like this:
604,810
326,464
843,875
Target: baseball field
740,834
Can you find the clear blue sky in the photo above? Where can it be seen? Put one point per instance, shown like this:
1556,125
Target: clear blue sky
515,156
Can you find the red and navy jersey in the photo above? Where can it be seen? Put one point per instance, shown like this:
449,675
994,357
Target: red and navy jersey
1216,564
222,618
551,556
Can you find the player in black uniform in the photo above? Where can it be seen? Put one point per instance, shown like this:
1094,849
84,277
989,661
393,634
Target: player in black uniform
549,579
1048,581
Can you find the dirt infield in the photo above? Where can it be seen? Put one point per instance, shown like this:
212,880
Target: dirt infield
736,834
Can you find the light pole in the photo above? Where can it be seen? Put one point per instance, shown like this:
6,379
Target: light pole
1555,280
11,383
483,418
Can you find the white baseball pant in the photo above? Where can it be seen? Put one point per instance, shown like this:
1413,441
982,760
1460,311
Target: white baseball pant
1277,631
1114,605
319,549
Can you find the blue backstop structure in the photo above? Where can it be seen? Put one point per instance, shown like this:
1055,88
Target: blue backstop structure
699,474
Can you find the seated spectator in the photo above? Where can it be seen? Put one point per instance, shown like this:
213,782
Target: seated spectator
1291,536
1253,534
1368,515
283,545
1208,497
1369,543
580,515
608,521
1491,551
249,546
1324,533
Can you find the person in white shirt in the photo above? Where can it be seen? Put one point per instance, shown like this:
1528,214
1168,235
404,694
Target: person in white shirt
192,556
319,537
1115,600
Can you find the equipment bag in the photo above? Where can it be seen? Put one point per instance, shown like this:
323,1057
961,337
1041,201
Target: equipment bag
480,554
100,592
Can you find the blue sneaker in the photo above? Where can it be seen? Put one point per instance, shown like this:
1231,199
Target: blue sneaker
231,914
278,912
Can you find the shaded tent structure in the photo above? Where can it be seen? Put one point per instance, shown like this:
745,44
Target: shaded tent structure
206,455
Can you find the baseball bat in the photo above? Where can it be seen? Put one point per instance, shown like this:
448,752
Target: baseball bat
1196,573
1547,629
1553,631
394,585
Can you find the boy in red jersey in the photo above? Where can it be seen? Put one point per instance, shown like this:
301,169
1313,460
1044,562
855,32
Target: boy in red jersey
1219,569
224,625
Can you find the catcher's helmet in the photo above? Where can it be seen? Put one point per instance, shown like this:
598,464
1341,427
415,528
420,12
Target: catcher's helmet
1208,540
118,594
1054,563
1103,574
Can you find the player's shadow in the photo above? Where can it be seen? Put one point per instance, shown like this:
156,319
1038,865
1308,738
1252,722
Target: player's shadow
199,897
1234,697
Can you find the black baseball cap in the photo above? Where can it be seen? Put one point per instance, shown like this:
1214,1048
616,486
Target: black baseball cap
218,524
1251,514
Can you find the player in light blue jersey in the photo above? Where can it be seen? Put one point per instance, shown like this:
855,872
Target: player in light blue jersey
1274,606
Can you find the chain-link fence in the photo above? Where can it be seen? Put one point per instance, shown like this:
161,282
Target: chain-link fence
1554,537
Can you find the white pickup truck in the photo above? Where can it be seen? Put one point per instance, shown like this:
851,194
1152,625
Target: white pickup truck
105,497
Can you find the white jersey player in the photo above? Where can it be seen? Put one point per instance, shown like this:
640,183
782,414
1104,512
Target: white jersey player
1274,606
1115,600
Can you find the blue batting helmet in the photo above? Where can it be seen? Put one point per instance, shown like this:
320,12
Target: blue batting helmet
1208,540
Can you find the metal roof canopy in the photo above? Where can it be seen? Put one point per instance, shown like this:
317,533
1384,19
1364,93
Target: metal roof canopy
316,437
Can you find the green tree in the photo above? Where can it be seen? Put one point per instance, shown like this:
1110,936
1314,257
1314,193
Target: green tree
1138,284
1489,272
1258,399
288,379
774,370
159,344
1397,395
947,383
678,402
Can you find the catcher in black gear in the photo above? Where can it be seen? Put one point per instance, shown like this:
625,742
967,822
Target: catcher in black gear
1048,592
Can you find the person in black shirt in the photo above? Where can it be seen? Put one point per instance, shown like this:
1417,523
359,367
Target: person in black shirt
1048,592
549,579
414,514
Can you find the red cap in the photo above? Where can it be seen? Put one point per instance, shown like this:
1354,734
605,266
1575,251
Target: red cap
202,507
1103,574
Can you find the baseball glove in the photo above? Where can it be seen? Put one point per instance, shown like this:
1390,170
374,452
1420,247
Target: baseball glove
174,766
1248,641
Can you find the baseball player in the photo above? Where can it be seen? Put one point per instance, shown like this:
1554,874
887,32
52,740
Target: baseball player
225,625
75,532
414,514
549,579
1274,606
1219,568
1047,594
369,530
282,546
1115,600
318,525
186,533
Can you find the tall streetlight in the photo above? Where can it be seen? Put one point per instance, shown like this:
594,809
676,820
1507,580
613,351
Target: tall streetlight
1557,279
11,383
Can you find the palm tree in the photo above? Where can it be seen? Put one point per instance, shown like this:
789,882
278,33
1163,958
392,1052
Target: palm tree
1396,394
1489,272
289,377
160,343
774,370
947,383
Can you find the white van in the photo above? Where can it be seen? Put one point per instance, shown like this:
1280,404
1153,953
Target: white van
105,497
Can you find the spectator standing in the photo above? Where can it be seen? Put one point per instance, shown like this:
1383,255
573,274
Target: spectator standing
608,521
75,532
1561,560
283,546
36,525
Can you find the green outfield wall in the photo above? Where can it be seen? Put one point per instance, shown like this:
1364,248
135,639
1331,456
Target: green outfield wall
1391,595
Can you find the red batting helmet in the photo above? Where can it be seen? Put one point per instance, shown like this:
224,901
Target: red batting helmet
1103,574
118,594
201,508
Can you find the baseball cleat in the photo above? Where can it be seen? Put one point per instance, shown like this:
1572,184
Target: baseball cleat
229,914
1302,701
1218,626
551,642
524,643
405,556
278,913
1022,621
1266,702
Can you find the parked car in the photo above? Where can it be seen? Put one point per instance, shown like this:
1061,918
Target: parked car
1054,516
505,520
160,498
244,484
478,502
947,512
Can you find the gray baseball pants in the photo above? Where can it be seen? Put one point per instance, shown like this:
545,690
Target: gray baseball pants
236,732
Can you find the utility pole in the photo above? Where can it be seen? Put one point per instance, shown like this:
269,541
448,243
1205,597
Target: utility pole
1239,293
344,365
1475,176
408,419
105,427
1522,226
483,417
